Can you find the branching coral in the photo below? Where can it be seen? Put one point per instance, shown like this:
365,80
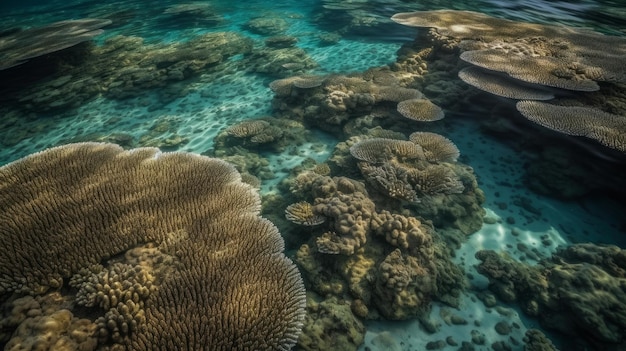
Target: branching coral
435,179
389,180
74,206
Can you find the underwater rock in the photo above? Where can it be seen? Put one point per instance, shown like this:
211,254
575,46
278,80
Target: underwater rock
267,25
386,341
535,340
19,47
327,39
125,67
558,173
577,292
330,325
191,13
281,41
280,62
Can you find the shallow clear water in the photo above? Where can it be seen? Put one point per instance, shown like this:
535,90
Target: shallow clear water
528,213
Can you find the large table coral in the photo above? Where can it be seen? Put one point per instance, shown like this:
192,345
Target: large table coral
528,61
163,250
17,48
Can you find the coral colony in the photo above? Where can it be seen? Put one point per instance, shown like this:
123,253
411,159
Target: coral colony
212,176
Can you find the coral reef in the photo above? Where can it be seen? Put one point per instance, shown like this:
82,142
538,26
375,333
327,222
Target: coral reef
281,41
386,261
349,216
123,67
535,340
45,323
70,208
334,100
578,292
280,61
380,246
422,110
17,48
330,325
302,213
608,129
267,25
528,62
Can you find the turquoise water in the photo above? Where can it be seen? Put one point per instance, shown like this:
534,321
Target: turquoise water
162,75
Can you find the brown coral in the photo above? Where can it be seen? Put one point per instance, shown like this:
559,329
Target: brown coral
502,86
608,129
564,57
535,340
390,180
403,286
395,93
406,233
59,330
302,213
90,201
422,110
330,325
377,150
255,131
18,48
536,70
435,179
247,128
437,148
349,215
579,291
467,24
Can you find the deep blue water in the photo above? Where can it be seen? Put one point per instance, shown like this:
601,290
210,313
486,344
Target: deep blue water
513,160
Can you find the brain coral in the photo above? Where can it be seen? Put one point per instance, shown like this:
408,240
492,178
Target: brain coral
76,205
